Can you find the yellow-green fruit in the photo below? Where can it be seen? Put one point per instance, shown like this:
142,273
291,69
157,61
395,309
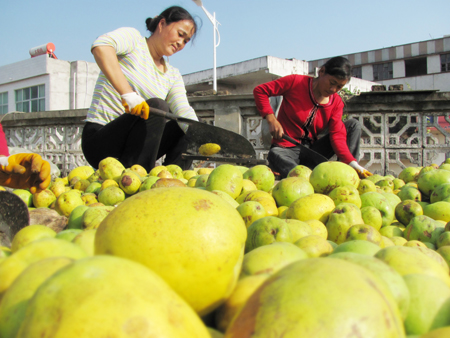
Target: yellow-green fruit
187,174
290,189
82,172
68,234
282,211
86,240
267,230
340,292
299,229
94,188
130,183
407,210
76,217
358,246
111,196
148,182
14,265
133,303
226,178
43,198
409,174
442,332
81,185
430,304
399,241
314,206
248,186
262,176
30,234
341,219
438,211
156,170
364,232
89,198
68,201
165,174
108,183
110,168
318,228
245,287
175,170
25,196
314,246
204,171
406,260
268,259
94,216
346,194
414,243
391,231
300,171
366,185
57,188
138,169
251,211
226,197
372,216
199,255
208,149
15,301
201,181
262,197
332,174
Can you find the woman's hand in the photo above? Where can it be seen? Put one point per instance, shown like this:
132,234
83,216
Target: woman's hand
25,171
275,128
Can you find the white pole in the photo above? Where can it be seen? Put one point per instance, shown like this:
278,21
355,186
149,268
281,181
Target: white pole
214,70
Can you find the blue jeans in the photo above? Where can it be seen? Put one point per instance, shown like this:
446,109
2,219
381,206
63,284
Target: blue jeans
282,160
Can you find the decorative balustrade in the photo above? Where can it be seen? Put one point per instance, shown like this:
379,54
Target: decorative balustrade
400,129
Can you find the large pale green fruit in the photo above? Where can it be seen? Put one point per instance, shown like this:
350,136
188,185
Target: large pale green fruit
14,265
262,176
394,281
290,189
431,179
441,193
408,260
192,238
226,178
430,304
314,206
329,175
346,194
320,298
14,304
341,219
105,296
409,174
377,200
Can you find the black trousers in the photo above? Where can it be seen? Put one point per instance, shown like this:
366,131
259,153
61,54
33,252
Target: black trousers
133,140
283,160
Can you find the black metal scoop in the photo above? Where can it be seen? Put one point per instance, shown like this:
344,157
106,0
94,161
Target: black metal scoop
13,216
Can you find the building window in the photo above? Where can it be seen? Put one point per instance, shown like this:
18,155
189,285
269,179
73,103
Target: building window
445,62
3,103
357,72
30,99
382,71
416,67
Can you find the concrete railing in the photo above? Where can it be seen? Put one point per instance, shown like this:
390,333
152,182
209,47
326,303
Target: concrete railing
399,128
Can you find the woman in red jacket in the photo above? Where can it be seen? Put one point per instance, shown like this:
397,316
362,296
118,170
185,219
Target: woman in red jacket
311,107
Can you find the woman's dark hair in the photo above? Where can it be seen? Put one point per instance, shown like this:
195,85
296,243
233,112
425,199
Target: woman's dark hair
339,67
171,14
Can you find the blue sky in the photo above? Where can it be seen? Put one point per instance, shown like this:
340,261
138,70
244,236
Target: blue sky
249,28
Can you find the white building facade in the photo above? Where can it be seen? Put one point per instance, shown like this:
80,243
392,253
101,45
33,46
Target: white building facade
42,83
422,65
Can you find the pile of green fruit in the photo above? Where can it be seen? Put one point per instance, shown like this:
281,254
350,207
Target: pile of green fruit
230,252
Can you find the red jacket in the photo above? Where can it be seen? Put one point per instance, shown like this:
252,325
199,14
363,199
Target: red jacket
301,116
3,144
